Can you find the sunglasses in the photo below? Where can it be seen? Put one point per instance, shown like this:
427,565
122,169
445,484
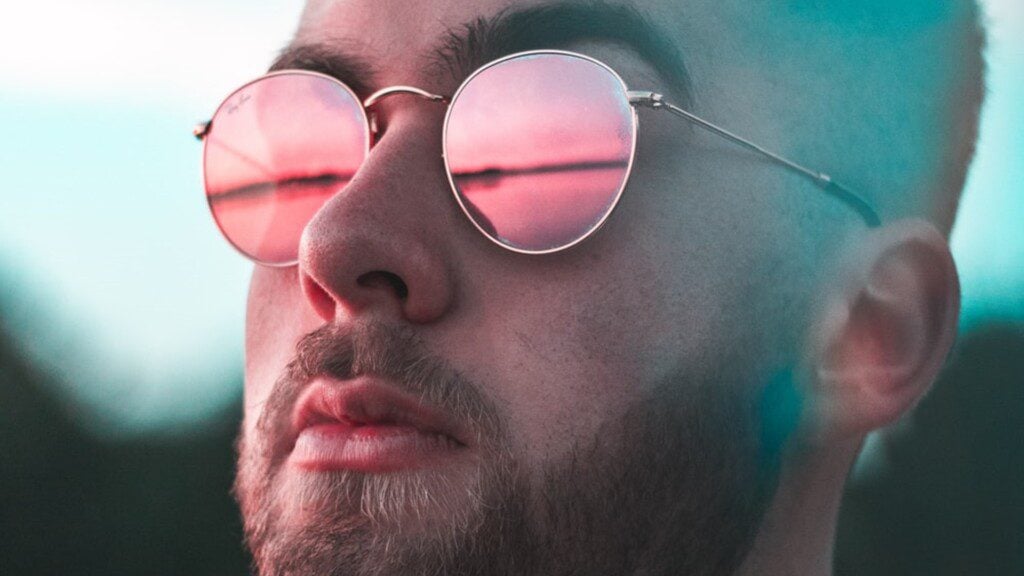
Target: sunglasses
538,147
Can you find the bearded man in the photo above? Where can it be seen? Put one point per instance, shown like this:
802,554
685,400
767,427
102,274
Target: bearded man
587,287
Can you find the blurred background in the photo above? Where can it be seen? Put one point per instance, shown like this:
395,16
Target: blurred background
121,311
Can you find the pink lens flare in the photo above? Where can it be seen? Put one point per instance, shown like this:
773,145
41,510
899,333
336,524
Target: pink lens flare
539,147
277,149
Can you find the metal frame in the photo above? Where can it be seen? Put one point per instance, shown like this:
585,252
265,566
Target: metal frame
635,98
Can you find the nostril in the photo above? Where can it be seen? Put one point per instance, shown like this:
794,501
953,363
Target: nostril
382,279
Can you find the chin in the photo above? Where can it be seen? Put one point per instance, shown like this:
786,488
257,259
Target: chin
409,502
411,521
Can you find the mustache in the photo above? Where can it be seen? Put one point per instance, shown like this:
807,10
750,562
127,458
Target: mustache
370,349
395,354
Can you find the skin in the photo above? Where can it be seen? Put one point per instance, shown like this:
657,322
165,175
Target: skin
697,269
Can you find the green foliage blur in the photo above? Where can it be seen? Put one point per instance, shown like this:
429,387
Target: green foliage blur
71,503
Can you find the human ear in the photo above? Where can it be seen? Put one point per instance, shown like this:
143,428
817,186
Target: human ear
885,330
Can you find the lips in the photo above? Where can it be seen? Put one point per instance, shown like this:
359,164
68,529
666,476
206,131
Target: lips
367,425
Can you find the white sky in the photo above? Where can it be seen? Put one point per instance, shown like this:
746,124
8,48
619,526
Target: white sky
182,51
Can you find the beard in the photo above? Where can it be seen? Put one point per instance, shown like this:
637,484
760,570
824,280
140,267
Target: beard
678,485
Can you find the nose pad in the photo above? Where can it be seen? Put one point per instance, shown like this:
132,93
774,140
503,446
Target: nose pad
374,121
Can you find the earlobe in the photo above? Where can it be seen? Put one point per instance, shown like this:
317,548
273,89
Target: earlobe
886,330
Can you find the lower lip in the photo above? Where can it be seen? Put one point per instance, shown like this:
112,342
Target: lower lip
369,448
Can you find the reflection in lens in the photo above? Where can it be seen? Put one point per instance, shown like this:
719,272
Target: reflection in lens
538,148
277,150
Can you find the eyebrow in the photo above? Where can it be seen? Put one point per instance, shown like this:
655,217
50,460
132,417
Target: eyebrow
560,25
466,48
330,59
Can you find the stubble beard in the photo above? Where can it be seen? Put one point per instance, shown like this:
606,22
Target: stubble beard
676,486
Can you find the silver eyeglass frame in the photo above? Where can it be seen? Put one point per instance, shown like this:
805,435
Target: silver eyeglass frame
635,99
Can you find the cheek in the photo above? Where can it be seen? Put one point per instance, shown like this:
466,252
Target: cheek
568,349
276,318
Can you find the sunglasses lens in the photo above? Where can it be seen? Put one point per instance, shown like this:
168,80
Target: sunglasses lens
276,151
538,148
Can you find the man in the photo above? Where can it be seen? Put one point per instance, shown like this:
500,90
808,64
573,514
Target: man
678,387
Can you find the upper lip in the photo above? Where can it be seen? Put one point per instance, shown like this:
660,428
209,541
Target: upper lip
368,401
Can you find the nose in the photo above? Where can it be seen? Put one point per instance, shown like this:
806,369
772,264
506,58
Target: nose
380,245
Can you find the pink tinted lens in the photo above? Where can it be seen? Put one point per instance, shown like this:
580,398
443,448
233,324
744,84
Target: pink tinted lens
277,150
539,148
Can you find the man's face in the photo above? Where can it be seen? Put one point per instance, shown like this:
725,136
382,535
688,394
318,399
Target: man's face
419,398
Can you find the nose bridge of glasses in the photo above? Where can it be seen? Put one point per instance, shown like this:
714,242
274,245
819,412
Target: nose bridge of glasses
393,90
376,97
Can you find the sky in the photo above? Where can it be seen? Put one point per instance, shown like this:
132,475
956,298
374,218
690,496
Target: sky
112,271
120,282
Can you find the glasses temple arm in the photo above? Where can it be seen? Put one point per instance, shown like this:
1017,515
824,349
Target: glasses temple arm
657,101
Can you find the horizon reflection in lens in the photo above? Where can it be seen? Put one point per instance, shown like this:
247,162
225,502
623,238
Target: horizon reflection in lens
538,148
277,150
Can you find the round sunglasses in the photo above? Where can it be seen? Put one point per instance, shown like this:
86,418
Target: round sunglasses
538,147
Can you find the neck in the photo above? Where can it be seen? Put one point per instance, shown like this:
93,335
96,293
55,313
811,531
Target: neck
798,531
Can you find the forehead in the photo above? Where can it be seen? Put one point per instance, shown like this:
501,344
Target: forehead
712,33
398,38
397,26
